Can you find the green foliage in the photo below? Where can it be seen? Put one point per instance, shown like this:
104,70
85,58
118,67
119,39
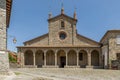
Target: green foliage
17,73
11,59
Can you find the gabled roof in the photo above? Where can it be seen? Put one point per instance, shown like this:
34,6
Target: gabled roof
40,37
109,31
62,15
78,35
95,42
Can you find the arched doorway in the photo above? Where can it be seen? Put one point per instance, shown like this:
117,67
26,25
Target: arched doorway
39,58
72,58
95,58
50,57
118,56
83,58
28,55
61,58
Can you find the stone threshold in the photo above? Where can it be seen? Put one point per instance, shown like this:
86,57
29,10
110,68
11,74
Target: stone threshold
52,66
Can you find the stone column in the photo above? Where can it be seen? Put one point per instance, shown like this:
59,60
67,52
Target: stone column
77,58
100,59
56,59
89,59
22,58
34,59
66,59
44,58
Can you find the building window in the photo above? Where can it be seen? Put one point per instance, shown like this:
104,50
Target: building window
80,56
62,35
62,24
118,56
118,39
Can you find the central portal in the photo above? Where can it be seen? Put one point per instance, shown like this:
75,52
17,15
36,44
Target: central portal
61,58
62,61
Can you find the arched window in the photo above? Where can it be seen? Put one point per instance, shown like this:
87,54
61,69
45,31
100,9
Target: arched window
118,56
62,24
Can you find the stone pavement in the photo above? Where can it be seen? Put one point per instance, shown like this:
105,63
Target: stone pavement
65,74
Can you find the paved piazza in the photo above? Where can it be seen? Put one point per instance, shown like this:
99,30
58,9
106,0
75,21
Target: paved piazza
64,74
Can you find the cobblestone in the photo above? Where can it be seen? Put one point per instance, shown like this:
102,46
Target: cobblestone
66,74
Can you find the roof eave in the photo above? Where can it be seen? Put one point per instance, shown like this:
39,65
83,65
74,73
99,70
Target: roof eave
35,38
107,33
8,11
62,15
89,39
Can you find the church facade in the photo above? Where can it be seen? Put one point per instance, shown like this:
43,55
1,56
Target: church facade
63,47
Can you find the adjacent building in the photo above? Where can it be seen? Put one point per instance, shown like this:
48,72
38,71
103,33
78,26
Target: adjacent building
5,9
110,47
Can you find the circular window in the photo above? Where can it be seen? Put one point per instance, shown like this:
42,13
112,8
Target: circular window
62,35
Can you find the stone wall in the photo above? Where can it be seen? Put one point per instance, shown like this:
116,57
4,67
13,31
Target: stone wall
3,4
55,29
105,55
4,65
114,48
37,42
2,29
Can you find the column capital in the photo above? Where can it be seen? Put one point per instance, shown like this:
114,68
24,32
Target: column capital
66,51
88,51
34,50
56,51
45,51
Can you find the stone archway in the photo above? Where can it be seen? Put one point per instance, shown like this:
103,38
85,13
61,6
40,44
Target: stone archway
39,58
72,58
61,58
83,58
50,57
95,58
28,55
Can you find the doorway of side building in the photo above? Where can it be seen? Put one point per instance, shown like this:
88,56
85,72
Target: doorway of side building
62,61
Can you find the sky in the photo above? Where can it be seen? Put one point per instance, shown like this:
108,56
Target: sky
29,18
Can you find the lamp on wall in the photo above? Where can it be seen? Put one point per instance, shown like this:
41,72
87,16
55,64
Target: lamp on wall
14,39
